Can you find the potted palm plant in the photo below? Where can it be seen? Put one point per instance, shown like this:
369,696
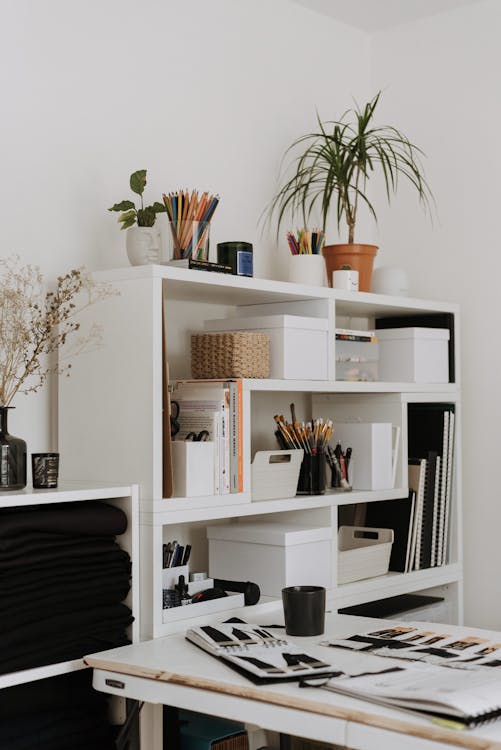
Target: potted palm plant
334,169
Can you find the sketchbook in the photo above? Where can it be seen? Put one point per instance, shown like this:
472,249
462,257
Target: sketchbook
256,653
468,698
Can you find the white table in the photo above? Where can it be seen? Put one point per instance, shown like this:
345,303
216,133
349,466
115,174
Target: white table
171,671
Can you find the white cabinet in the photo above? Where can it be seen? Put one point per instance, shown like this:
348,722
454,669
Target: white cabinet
112,412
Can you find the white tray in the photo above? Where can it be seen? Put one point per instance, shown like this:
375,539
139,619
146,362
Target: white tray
363,553
275,474
203,608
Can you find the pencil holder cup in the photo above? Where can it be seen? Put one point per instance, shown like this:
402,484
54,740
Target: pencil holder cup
307,269
312,474
188,239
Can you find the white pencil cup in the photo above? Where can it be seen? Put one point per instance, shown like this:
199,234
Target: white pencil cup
307,269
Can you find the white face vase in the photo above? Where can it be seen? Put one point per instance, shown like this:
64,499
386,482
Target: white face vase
143,245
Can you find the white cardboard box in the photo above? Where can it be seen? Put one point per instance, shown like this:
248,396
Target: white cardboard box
371,465
192,468
271,555
298,344
413,355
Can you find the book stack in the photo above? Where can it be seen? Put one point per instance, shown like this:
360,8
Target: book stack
421,521
216,407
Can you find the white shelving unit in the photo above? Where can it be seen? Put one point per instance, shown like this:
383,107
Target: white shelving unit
111,416
124,497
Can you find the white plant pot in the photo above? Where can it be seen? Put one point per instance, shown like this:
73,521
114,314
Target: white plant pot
345,279
143,245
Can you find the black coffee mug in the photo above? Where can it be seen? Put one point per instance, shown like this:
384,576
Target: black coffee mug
304,610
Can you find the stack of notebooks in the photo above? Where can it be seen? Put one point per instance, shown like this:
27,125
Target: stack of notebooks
421,521
431,451
215,406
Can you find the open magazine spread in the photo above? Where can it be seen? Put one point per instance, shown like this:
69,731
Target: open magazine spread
257,653
419,643
470,699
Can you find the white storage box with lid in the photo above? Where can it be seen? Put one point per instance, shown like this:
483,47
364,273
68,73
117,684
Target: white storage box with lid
362,553
413,355
272,555
298,344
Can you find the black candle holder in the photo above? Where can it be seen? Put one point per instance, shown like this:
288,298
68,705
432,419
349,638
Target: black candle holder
44,470
312,474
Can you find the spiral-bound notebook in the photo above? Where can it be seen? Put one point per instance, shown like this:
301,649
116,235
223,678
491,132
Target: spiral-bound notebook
257,653
469,698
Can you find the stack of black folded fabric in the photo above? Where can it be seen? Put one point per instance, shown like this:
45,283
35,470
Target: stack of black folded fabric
63,578
59,713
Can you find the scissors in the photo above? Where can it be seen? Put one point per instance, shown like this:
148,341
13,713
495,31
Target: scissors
174,418
200,437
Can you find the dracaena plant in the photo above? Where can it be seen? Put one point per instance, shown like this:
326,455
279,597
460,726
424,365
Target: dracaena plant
337,163
145,215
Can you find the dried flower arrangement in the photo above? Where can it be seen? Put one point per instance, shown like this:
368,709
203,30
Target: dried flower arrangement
35,323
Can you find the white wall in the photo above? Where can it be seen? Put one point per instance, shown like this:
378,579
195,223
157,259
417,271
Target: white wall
202,94
441,86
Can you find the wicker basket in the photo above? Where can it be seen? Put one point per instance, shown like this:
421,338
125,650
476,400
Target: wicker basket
232,354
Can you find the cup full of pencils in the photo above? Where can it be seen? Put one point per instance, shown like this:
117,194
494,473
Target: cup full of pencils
189,217
306,264
312,437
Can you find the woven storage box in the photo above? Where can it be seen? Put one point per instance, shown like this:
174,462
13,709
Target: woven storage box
232,354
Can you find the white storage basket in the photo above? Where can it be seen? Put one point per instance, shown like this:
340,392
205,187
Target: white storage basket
275,474
363,552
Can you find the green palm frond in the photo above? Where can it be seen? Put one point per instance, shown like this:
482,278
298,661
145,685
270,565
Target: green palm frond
337,160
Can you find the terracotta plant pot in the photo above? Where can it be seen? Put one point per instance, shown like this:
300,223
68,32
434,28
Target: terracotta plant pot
359,257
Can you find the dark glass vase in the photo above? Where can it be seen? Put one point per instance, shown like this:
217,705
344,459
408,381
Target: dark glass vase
12,457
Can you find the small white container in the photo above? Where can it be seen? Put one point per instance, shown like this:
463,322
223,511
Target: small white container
356,359
275,474
307,269
362,553
345,279
413,355
271,555
372,452
193,468
298,344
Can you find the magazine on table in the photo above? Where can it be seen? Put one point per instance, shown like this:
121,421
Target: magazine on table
420,643
464,698
257,653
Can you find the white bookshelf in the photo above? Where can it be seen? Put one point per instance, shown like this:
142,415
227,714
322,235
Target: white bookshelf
111,415
122,496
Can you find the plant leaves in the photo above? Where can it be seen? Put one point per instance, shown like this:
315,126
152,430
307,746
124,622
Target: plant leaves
127,219
122,206
158,207
138,181
146,217
128,223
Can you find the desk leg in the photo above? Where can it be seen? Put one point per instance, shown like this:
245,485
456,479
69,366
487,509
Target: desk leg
172,731
152,726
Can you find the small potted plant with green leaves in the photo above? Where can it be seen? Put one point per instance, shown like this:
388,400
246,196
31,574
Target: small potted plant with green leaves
143,238
331,173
